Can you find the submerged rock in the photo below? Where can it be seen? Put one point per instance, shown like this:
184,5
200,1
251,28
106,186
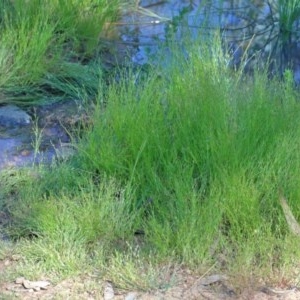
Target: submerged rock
42,140
13,116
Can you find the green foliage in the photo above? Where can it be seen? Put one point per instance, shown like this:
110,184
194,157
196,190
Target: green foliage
89,214
193,154
43,42
289,13
205,151
62,231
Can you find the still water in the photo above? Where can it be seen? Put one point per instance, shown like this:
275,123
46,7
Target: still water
265,30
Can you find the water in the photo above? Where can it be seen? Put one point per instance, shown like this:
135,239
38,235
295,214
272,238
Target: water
252,26
44,140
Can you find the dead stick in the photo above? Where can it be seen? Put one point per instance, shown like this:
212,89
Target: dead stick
290,219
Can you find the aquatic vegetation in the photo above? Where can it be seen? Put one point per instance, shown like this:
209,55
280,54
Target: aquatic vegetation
266,30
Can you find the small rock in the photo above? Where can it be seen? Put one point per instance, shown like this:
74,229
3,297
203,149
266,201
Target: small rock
27,284
109,293
41,284
35,284
19,280
13,116
273,291
131,296
7,263
212,279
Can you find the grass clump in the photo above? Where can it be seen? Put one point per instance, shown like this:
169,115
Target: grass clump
194,156
60,233
206,151
44,43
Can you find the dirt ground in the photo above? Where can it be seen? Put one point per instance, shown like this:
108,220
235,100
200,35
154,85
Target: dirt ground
186,286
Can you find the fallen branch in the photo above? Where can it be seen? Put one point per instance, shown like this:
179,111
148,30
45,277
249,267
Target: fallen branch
290,219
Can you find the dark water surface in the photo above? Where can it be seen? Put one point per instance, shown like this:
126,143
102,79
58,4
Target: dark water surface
43,140
252,26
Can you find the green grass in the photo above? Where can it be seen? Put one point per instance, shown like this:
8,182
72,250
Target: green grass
45,47
193,154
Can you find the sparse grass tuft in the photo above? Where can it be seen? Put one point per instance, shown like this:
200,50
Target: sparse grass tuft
60,233
132,270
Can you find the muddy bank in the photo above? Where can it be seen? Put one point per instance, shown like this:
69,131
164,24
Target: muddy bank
44,134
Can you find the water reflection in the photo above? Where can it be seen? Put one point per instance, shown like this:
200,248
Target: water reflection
267,30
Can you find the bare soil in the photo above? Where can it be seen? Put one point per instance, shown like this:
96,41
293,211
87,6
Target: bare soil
187,286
